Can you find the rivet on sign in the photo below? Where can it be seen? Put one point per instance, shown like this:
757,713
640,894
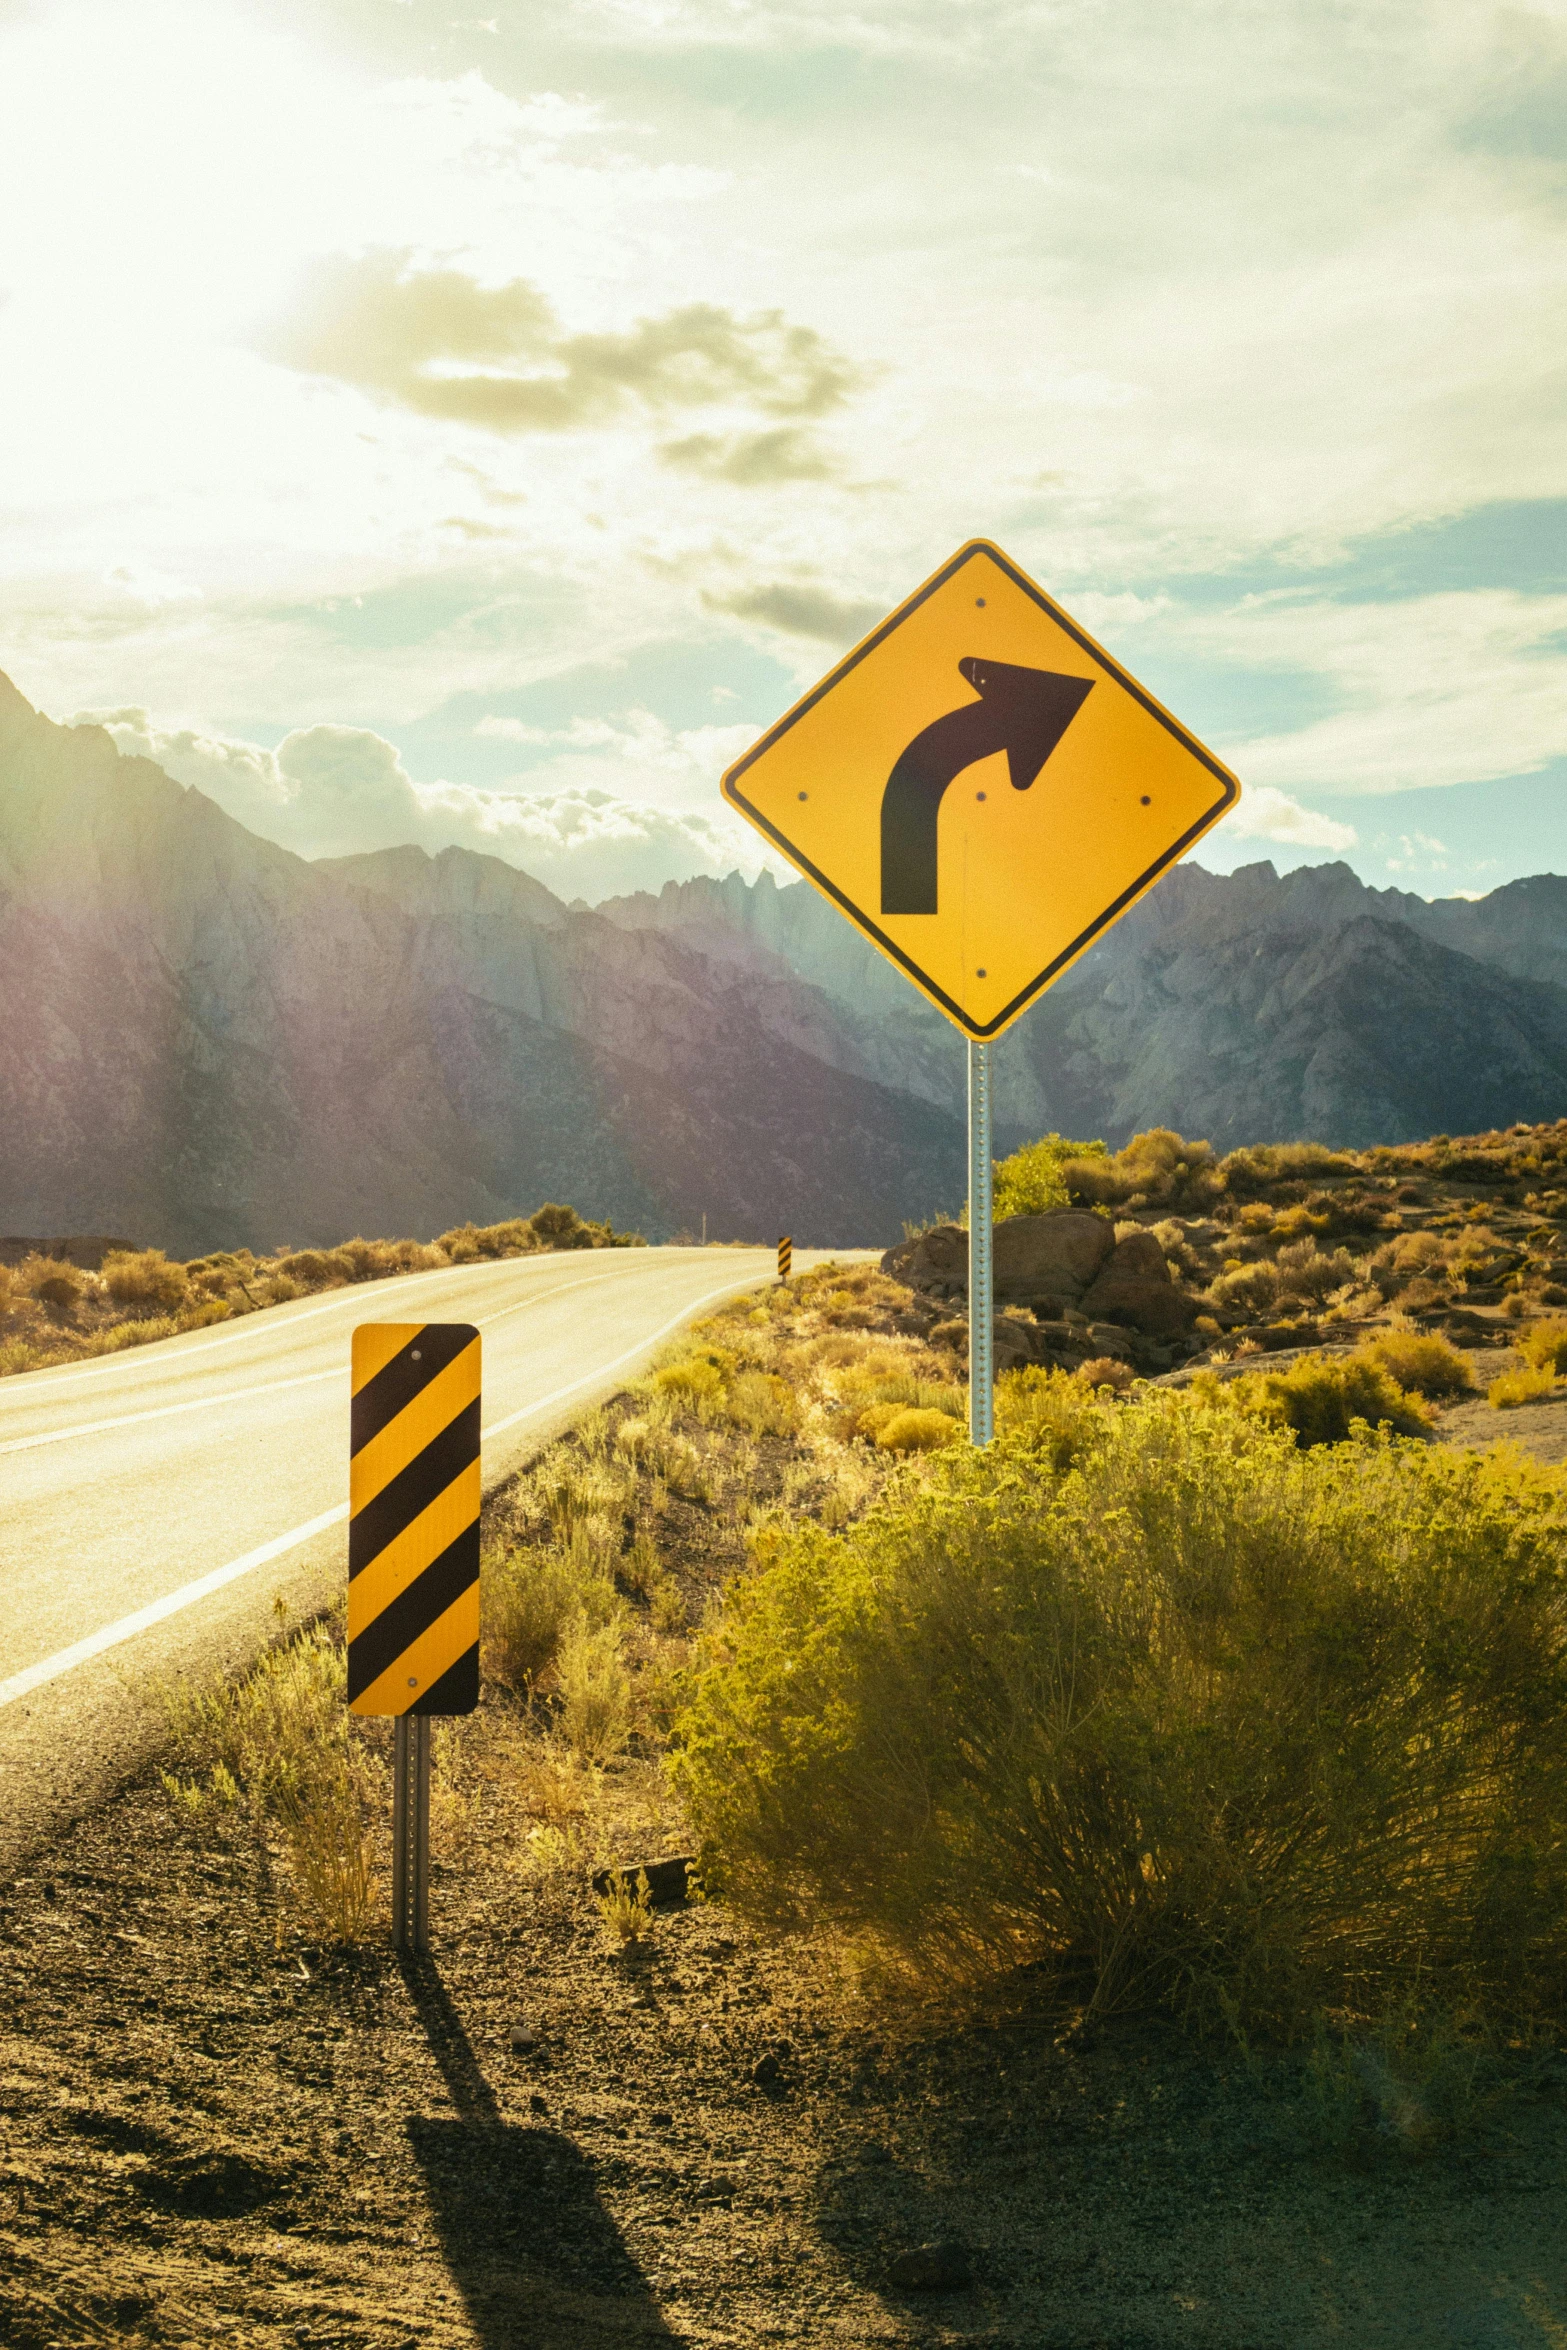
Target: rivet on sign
416,1354
980,973
805,795
979,795
413,1680
1147,802
980,601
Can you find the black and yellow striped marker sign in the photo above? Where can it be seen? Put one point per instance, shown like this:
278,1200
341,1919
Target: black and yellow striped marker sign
785,1258
413,1519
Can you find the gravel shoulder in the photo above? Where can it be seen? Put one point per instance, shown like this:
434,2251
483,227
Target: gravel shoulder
211,2134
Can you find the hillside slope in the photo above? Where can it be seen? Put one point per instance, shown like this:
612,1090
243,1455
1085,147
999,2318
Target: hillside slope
209,1041
1240,1007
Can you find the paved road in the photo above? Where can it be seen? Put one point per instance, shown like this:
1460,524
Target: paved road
153,1505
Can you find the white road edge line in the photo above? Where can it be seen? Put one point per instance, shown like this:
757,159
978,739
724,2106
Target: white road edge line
112,1635
66,1659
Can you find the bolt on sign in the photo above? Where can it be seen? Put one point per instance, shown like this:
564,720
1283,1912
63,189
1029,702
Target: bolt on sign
413,1525
981,789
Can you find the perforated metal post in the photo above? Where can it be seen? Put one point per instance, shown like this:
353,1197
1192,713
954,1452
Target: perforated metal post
981,1299
411,1833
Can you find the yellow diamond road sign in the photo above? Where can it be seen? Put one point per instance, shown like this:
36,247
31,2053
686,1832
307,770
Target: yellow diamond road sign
981,789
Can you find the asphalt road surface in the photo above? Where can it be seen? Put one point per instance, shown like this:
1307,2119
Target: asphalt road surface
155,1505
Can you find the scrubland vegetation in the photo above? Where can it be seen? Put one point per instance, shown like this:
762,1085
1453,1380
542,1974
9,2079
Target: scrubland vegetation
56,1311
1237,1699
1147,1819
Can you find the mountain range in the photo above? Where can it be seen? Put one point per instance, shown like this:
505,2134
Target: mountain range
209,1041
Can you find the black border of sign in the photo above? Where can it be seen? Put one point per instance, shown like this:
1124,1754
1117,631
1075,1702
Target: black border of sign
1230,790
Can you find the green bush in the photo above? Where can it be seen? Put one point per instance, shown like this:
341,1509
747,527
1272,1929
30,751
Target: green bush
1320,1398
1208,1720
1030,1181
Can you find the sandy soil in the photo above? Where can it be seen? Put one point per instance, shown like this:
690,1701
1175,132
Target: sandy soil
211,2134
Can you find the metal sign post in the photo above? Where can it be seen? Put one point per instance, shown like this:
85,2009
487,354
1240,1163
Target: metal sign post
981,1285
411,1832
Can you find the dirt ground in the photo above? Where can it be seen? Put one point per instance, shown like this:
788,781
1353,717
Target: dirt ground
211,2134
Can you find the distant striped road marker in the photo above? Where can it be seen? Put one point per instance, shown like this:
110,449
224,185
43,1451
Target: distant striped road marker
413,1527
785,1258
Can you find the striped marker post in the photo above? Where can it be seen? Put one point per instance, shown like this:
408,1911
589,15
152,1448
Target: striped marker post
785,1258
413,1565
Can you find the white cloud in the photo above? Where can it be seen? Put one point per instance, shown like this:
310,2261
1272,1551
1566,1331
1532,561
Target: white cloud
1268,814
1435,689
330,790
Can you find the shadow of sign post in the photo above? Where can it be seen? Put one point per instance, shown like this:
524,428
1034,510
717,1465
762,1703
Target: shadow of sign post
539,2262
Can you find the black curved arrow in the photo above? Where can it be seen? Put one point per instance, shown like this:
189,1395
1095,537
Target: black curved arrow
1023,712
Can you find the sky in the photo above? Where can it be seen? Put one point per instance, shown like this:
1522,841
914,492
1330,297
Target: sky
477,430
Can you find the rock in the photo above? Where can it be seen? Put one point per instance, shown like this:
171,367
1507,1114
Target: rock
767,2072
524,2039
1050,1259
668,1881
1039,1260
538,2103
937,1257
932,2268
1106,1339
1135,1289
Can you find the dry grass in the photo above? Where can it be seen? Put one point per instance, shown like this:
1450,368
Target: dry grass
53,1311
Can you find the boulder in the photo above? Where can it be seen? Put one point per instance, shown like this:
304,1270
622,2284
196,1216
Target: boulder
934,1260
1045,1261
1050,1260
1135,1290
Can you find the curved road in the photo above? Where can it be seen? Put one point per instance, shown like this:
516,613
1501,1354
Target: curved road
153,1505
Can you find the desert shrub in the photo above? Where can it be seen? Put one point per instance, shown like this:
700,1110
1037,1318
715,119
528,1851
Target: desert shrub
52,1281
761,1403
1053,1412
692,1380
121,1335
530,1598
278,1742
313,1268
1261,1166
1106,1371
1520,1387
1413,1255
1421,1362
1545,1346
144,1277
556,1226
1249,1288
1030,1181
1157,1166
595,1690
1320,1398
911,1430
1207,1720
1304,1270
7,1289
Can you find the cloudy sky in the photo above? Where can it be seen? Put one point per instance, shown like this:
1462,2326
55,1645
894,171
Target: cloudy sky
477,429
